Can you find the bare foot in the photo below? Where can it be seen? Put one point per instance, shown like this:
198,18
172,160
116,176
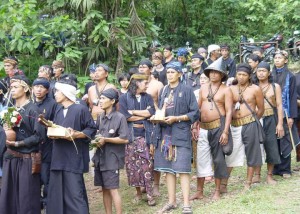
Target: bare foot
156,192
216,195
143,189
223,188
98,190
270,180
256,179
197,196
137,199
247,186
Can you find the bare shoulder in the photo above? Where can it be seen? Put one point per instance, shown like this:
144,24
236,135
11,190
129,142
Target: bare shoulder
225,88
233,87
204,86
91,88
277,86
159,84
254,88
109,85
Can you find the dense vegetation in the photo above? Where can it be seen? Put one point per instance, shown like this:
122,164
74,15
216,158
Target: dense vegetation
119,32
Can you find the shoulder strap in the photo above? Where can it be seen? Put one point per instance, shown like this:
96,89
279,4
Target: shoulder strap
97,90
217,107
252,112
274,107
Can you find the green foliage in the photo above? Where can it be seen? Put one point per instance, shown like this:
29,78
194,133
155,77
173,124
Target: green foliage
75,31
81,32
204,22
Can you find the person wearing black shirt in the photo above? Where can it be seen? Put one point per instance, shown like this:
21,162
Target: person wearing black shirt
70,154
213,53
21,180
157,58
168,55
230,66
192,79
287,81
110,154
47,107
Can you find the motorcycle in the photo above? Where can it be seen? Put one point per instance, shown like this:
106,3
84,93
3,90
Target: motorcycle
294,46
267,47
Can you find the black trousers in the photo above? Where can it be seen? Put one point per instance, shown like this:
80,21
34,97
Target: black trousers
45,177
284,167
66,193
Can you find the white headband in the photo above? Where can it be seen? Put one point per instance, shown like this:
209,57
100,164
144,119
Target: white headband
68,90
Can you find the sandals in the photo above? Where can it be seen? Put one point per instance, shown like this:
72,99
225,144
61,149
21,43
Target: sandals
167,208
137,199
151,201
187,210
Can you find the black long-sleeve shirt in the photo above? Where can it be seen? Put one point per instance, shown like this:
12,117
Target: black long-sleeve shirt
64,153
47,107
30,131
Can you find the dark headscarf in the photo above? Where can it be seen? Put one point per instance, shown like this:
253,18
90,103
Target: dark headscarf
264,64
146,62
197,56
244,67
41,81
111,94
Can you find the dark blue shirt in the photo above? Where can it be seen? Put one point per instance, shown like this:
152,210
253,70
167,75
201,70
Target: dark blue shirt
64,153
47,107
184,104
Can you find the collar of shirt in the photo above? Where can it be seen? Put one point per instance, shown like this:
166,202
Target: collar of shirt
279,70
108,116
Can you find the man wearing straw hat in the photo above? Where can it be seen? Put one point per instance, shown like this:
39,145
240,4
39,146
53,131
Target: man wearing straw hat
215,102
70,154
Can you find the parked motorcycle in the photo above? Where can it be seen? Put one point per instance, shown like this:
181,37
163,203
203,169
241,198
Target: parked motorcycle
268,48
294,46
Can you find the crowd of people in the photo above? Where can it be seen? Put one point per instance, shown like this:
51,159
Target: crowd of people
168,114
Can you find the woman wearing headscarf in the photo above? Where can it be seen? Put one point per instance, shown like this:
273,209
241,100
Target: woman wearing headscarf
173,146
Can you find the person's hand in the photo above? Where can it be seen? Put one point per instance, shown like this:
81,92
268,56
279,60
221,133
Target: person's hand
279,131
10,143
85,97
100,142
152,150
70,134
195,133
171,119
223,139
290,122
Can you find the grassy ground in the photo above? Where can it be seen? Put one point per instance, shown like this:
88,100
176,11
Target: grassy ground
262,198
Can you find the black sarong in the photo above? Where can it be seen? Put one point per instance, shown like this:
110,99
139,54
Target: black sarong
270,144
20,192
66,193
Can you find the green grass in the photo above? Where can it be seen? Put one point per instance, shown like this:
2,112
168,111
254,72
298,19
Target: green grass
284,197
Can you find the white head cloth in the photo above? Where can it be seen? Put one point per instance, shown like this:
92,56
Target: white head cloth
212,48
68,90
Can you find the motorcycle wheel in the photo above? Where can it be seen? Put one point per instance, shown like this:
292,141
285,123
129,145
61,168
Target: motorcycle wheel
246,56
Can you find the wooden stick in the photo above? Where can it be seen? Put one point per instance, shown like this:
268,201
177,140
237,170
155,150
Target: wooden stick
290,130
